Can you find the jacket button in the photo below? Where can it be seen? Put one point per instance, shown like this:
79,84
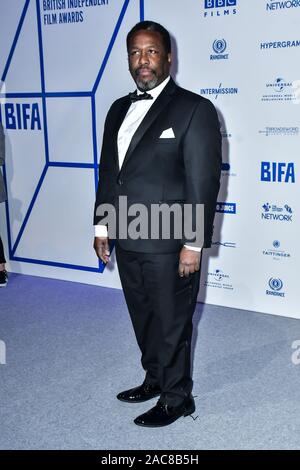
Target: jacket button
120,182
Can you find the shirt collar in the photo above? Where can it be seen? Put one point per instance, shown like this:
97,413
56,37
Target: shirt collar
157,90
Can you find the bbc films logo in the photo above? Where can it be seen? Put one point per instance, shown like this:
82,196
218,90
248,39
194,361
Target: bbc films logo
273,212
276,252
280,90
217,279
219,8
221,90
275,285
219,47
277,172
226,207
282,5
280,131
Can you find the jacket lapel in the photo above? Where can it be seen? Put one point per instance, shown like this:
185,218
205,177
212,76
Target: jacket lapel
125,105
160,103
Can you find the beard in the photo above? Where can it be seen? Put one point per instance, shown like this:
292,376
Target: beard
145,84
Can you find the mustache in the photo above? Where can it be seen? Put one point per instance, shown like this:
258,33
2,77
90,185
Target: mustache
144,68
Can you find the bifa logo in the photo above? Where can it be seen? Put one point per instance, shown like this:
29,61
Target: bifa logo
20,116
277,172
219,8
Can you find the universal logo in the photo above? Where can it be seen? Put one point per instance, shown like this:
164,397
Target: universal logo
218,279
279,91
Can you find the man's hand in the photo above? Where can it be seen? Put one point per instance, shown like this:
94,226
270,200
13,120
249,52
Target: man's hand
101,248
189,262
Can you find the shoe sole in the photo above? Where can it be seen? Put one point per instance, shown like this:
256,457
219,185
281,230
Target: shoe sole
139,401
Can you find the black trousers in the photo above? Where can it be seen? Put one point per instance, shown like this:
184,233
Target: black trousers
2,257
161,306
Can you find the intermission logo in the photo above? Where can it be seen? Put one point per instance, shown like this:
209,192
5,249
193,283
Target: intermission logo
276,285
282,5
219,8
279,90
226,207
276,252
19,116
219,91
278,213
218,279
219,47
277,172
280,131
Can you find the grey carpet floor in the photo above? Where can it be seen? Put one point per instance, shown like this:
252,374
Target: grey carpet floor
70,349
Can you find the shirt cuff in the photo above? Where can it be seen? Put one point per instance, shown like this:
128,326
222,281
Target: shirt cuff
193,248
101,231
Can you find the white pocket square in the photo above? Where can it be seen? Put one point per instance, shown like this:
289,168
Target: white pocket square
167,134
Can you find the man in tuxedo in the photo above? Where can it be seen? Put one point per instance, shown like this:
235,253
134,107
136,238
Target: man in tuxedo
161,145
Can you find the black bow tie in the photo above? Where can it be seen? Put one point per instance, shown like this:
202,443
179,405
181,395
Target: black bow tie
135,97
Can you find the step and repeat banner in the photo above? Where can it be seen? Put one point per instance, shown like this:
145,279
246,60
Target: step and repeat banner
63,62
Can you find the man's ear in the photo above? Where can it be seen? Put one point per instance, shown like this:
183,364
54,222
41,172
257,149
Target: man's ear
169,57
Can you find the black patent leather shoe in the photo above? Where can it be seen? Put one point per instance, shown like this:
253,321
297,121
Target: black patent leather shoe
163,415
139,394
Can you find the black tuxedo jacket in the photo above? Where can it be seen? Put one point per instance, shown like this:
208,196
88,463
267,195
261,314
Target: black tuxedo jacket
184,169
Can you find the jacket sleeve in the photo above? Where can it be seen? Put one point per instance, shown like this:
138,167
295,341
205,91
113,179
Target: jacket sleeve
202,154
105,190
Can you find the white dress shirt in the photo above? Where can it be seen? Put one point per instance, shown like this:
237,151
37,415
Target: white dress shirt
132,120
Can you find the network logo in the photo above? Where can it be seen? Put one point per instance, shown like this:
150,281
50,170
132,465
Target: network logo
272,212
276,286
219,47
282,5
226,207
217,8
277,172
